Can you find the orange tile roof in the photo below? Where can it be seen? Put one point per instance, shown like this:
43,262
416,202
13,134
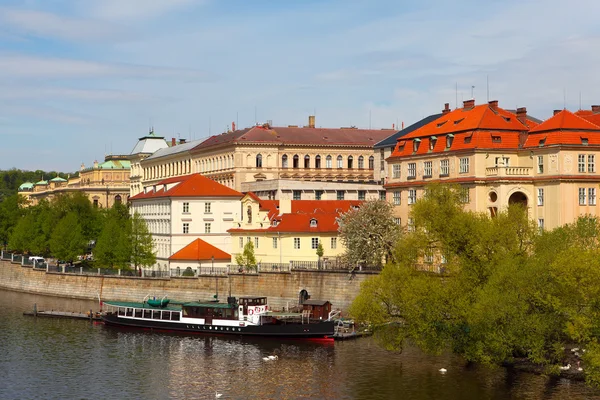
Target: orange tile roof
195,185
199,250
564,119
565,128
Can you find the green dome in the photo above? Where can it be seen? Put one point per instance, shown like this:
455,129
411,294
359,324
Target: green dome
58,179
26,186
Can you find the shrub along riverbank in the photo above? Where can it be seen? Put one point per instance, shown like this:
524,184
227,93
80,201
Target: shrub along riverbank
506,291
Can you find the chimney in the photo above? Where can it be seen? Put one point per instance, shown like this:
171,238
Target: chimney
181,141
446,109
95,164
311,121
233,126
556,112
469,104
173,142
596,109
493,104
522,115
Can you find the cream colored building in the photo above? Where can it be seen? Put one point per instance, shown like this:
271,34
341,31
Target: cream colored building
180,210
104,183
500,157
144,148
289,231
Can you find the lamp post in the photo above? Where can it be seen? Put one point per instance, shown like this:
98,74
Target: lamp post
107,197
212,268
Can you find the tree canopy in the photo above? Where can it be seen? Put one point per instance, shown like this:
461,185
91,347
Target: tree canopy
502,289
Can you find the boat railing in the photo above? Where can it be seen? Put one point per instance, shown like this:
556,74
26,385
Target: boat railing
333,314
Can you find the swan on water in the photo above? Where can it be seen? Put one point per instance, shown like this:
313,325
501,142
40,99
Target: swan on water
218,395
272,357
443,370
566,367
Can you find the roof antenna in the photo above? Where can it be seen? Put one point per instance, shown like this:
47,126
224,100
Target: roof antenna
564,98
472,88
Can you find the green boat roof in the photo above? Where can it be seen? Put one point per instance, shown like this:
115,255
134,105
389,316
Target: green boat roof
141,305
209,305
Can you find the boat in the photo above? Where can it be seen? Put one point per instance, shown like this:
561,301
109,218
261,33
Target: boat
244,316
158,303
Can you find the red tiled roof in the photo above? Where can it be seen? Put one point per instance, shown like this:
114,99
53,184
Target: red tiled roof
199,250
565,119
565,128
195,185
593,118
299,136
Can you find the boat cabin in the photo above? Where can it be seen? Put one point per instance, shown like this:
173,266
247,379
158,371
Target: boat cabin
318,309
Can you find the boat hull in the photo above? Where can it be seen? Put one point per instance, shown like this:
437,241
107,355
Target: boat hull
322,329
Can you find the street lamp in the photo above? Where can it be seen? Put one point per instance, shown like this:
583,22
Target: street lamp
212,268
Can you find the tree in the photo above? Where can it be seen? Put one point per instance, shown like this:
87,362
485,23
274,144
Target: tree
11,210
141,243
67,240
247,258
369,233
113,248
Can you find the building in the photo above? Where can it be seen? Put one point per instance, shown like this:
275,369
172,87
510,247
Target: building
287,189
180,210
200,258
501,157
144,148
285,231
266,153
104,183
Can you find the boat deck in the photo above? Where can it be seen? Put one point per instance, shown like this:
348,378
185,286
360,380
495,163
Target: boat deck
64,314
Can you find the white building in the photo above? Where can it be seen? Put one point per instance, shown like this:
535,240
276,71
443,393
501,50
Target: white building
180,210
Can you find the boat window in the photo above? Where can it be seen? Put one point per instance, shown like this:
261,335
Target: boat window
121,311
175,316
138,313
147,314
129,312
156,314
166,315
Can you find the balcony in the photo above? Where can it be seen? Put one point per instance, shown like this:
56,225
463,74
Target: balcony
508,171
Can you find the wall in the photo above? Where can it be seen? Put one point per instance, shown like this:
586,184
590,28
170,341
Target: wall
281,288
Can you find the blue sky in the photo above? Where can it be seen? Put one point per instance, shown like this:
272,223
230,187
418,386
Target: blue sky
79,79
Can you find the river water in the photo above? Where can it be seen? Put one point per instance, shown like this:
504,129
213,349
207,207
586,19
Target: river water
43,358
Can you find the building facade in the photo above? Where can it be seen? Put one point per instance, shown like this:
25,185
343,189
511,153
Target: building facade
500,157
144,148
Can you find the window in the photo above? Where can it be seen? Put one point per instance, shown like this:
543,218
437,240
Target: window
412,196
361,162
540,192
284,161
186,227
540,164
248,239
397,221
207,227
241,243
207,208
581,163
259,161
318,162
396,171
328,162
314,243
428,256
449,140
582,196
371,162
362,194
592,196
256,242
340,162
444,168
313,223
541,224
350,162
397,198
427,169
412,170
296,243
416,143
464,195
591,163
411,225
318,194
306,161
296,161
502,161
464,165
186,207
340,195
382,195
274,243
333,243
96,203
297,194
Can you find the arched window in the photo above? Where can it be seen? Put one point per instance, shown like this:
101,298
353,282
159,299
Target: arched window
318,162
259,161
118,198
371,162
350,162
249,211
307,161
361,162
340,162
328,162
284,161
296,161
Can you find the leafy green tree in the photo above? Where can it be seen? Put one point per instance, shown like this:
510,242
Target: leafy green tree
142,253
12,208
113,249
67,240
369,233
247,258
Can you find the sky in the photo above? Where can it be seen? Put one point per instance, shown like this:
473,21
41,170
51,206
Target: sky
83,79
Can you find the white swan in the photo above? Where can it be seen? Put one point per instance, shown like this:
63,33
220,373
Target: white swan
218,395
266,359
574,349
443,370
272,357
565,368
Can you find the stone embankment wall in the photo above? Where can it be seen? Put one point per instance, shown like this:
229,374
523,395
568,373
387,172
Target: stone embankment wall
282,289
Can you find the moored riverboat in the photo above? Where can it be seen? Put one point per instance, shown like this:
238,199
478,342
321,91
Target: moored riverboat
248,316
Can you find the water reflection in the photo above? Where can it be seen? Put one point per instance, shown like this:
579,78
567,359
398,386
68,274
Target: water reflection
57,359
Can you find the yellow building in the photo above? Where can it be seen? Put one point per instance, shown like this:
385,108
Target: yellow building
104,184
288,232
501,157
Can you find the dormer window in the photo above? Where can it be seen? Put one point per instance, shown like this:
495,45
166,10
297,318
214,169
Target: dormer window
584,141
496,139
416,145
275,222
468,139
313,223
458,121
432,142
449,140
542,142
441,123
